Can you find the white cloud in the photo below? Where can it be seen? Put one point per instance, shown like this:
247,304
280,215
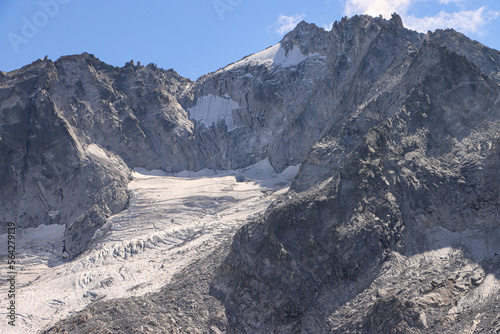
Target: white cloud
285,23
446,2
328,26
376,7
467,21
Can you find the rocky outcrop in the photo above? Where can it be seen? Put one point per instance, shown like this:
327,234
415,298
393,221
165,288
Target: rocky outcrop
484,58
49,175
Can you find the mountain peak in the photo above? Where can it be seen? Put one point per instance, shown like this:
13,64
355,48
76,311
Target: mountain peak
303,29
364,21
396,19
307,36
305,26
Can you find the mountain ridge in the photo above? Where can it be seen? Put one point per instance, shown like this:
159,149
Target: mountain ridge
386,123
289,238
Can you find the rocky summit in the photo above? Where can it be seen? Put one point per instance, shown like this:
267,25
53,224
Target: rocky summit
379,211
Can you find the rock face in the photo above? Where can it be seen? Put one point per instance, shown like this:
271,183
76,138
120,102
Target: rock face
49,175
391,225
401,228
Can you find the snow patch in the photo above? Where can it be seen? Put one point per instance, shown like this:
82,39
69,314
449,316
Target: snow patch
213,109
172,220
273,56
263,57
290,172
53,214
293,58
477,244
96,151
42,245
144,172
260,171
46,233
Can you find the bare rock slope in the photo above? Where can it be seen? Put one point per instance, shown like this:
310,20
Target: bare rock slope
402,235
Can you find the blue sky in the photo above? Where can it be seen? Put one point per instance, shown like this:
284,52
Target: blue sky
195,37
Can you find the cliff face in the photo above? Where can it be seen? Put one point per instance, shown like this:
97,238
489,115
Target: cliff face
49,174
391,224
401,228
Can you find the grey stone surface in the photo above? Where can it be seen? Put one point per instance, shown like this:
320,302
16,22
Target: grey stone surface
48,176
317,262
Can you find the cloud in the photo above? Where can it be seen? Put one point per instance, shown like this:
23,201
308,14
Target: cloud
446,2
328,26
376,7
466,21
286,23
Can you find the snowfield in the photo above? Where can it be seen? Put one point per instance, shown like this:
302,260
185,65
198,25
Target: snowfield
172,220
213,109
273,56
